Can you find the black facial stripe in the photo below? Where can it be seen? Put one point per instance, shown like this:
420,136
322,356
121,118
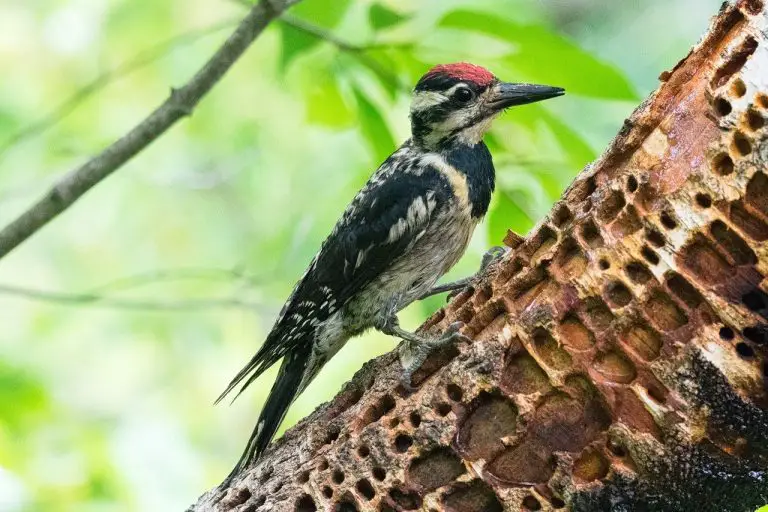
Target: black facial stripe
438,112
440,82
450,139
422,120
419,131
436,82
473,121
435,113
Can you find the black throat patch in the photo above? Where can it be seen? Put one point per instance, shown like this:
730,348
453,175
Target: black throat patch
476,164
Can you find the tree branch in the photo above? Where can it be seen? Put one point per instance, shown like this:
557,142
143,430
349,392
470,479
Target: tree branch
94,299
100,82
176,274
620,351
179,104
99,295
359,52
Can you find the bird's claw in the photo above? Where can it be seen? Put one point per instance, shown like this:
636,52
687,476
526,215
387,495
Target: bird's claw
405,380
451,334
492,255
453,293
419,353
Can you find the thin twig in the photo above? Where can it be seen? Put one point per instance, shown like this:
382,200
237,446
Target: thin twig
91,299
140,60
358,51
179,104
157,276
319,33
99,295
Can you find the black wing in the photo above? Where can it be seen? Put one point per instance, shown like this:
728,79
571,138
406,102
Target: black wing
385,218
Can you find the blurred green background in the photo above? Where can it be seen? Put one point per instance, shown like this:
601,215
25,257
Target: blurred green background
123,320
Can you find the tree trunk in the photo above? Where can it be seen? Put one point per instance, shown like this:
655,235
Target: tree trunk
620,354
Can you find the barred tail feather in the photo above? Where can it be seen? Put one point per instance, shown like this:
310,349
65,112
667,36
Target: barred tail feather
284,391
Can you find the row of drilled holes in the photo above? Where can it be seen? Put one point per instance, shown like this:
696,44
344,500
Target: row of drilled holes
402,444
591,237
756,335
737,90
656,239
337,478
722,163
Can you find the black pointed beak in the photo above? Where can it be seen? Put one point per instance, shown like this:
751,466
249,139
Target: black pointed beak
508,95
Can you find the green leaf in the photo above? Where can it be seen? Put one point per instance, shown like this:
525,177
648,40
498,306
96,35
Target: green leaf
493,143
320,13
21,398
506,213
546,57
383,17
381,64
326,106
374,127
294,43
762,509
576,149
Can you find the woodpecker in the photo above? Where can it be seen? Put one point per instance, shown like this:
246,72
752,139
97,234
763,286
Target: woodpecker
407,226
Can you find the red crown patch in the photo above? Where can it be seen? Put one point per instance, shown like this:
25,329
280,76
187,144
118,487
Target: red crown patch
463,71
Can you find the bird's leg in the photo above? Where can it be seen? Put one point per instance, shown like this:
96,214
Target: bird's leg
414,353
491,256
417,348
453,286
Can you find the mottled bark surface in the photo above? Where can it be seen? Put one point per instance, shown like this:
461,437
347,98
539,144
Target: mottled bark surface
620,353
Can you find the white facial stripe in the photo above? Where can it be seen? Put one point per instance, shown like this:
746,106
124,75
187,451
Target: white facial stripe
474,134
423,100
450,91
450,124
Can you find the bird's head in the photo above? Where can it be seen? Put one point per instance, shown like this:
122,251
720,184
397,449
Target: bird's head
456,103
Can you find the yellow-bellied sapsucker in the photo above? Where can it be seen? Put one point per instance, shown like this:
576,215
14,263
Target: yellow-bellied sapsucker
408,226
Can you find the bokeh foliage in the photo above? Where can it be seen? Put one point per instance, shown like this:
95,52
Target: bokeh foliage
124,319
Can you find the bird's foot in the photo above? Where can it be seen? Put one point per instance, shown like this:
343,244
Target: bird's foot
415,351
491,256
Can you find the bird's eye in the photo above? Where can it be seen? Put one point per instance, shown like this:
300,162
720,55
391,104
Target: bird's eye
464,95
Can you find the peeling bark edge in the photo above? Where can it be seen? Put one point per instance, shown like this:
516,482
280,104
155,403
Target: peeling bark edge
620,357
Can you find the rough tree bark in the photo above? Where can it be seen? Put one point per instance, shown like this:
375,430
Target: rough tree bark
620,355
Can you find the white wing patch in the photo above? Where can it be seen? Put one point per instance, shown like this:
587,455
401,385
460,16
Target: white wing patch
361,257
418,214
